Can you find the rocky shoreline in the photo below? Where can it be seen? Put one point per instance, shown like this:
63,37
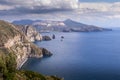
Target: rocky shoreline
33,35
16,48
19,41
45,53
22,63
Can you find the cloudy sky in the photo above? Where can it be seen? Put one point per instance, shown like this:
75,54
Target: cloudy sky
105,13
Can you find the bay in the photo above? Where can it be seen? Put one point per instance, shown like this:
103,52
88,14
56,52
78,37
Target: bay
80,56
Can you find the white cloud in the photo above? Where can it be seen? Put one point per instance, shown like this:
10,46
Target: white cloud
114,17
96,6
88,12
60,4
6,7
100,9
101,14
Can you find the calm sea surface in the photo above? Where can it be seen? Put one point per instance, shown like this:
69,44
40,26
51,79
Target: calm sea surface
80,56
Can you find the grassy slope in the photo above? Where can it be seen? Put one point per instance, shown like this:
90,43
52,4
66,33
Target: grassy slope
7,31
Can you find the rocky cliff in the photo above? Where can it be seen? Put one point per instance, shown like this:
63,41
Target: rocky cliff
30,32
19,44
15,49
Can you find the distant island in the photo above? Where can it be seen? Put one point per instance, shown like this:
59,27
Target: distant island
62,26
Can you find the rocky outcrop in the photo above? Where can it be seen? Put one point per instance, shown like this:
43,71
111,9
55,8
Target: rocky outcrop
46,53
20,44
46,38
30,32
22,49
15,49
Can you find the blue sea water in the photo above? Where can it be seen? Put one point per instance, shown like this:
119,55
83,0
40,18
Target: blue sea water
80,56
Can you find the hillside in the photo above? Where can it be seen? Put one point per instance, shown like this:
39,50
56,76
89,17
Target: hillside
7,31
15,49
64,26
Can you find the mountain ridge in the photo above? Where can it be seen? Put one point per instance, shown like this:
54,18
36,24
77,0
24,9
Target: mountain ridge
67,25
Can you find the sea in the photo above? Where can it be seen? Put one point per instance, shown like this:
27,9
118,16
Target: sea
80,56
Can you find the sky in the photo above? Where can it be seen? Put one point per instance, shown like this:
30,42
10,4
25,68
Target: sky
103,13
99,0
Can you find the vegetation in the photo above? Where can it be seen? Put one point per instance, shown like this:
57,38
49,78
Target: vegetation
8,63
8,69
6,31
30,75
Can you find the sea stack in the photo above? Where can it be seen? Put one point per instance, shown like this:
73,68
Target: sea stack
53,37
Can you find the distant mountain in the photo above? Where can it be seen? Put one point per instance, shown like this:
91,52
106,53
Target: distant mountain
23,22
65,26
80,27
72,23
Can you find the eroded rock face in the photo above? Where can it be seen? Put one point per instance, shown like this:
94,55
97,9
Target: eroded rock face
13,39
15,49
17,40
30,32
22,49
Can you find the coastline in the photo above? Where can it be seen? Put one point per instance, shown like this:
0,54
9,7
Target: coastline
21,64
25,60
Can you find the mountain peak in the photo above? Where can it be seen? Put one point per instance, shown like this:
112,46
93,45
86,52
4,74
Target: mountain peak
68,20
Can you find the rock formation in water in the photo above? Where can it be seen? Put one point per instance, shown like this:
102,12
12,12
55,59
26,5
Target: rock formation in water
46,53
15,49
53,37
46,38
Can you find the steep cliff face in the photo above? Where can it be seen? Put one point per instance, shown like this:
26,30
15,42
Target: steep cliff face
15,49
22,49
17,43
30,32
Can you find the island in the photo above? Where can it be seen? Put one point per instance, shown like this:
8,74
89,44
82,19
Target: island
67,25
